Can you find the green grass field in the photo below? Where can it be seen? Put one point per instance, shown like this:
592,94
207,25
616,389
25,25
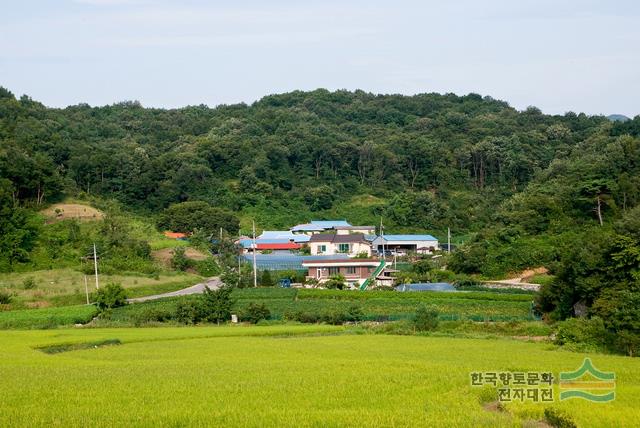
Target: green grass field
47,318
281,376
60,287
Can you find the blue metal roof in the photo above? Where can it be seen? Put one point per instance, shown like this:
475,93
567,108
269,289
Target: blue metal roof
328,224
307,227
246,243
275,234
286,261
408,238
283,234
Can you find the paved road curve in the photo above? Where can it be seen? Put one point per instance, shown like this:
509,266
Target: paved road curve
212,283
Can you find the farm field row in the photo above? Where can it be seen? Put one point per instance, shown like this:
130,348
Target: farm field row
381,306
475,306
282,376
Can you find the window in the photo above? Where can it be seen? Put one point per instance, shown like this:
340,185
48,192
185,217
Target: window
343,248
334,271
322,249
351,270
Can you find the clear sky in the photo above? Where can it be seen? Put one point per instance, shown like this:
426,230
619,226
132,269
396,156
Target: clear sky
561,55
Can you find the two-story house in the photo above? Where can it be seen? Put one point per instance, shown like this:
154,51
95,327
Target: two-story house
333,243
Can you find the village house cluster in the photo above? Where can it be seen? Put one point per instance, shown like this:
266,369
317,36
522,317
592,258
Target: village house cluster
327,248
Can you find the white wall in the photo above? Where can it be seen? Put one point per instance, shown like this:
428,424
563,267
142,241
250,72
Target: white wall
333,248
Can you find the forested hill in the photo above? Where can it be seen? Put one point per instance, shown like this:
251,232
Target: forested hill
421,162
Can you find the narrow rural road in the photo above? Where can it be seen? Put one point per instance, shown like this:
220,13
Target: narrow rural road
212,283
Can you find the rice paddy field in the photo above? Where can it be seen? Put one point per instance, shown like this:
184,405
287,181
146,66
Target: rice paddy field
302,376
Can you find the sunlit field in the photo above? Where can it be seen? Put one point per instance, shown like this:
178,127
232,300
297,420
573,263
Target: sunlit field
314,375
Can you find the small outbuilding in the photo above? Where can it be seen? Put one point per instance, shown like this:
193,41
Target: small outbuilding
404,244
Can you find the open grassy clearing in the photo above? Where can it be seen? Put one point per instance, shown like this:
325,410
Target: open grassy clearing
280,376
58,287
69,210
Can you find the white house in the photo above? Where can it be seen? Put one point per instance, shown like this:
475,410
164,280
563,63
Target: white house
345,230
402,244
318,226
355,271
333,243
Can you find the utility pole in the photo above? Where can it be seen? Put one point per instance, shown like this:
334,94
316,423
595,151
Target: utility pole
240,256
382,236
448,240
95,265
86,288
255,272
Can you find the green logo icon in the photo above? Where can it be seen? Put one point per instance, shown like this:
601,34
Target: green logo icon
588,383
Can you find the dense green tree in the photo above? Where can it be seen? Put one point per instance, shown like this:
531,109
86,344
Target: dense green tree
198,215
110,296
18,229
216,305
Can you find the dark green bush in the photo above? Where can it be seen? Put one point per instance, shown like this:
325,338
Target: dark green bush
558,418
583,334
255,312
335,282
426,318
188,312
29,283
216,305
153,315
179,260
302,316
5,298
354,313
207,267
266,280
111,296
333,316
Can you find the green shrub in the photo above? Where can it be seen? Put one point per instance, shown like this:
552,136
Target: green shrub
255,312
334,317
335,282
266,280
558,418
355,313
302,316
583,334
216,305
153,315
179,261
207,267
111,296
5,298
188,312
426,318
29,283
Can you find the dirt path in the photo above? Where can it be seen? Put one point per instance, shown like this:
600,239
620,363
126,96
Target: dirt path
519,281
213,283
